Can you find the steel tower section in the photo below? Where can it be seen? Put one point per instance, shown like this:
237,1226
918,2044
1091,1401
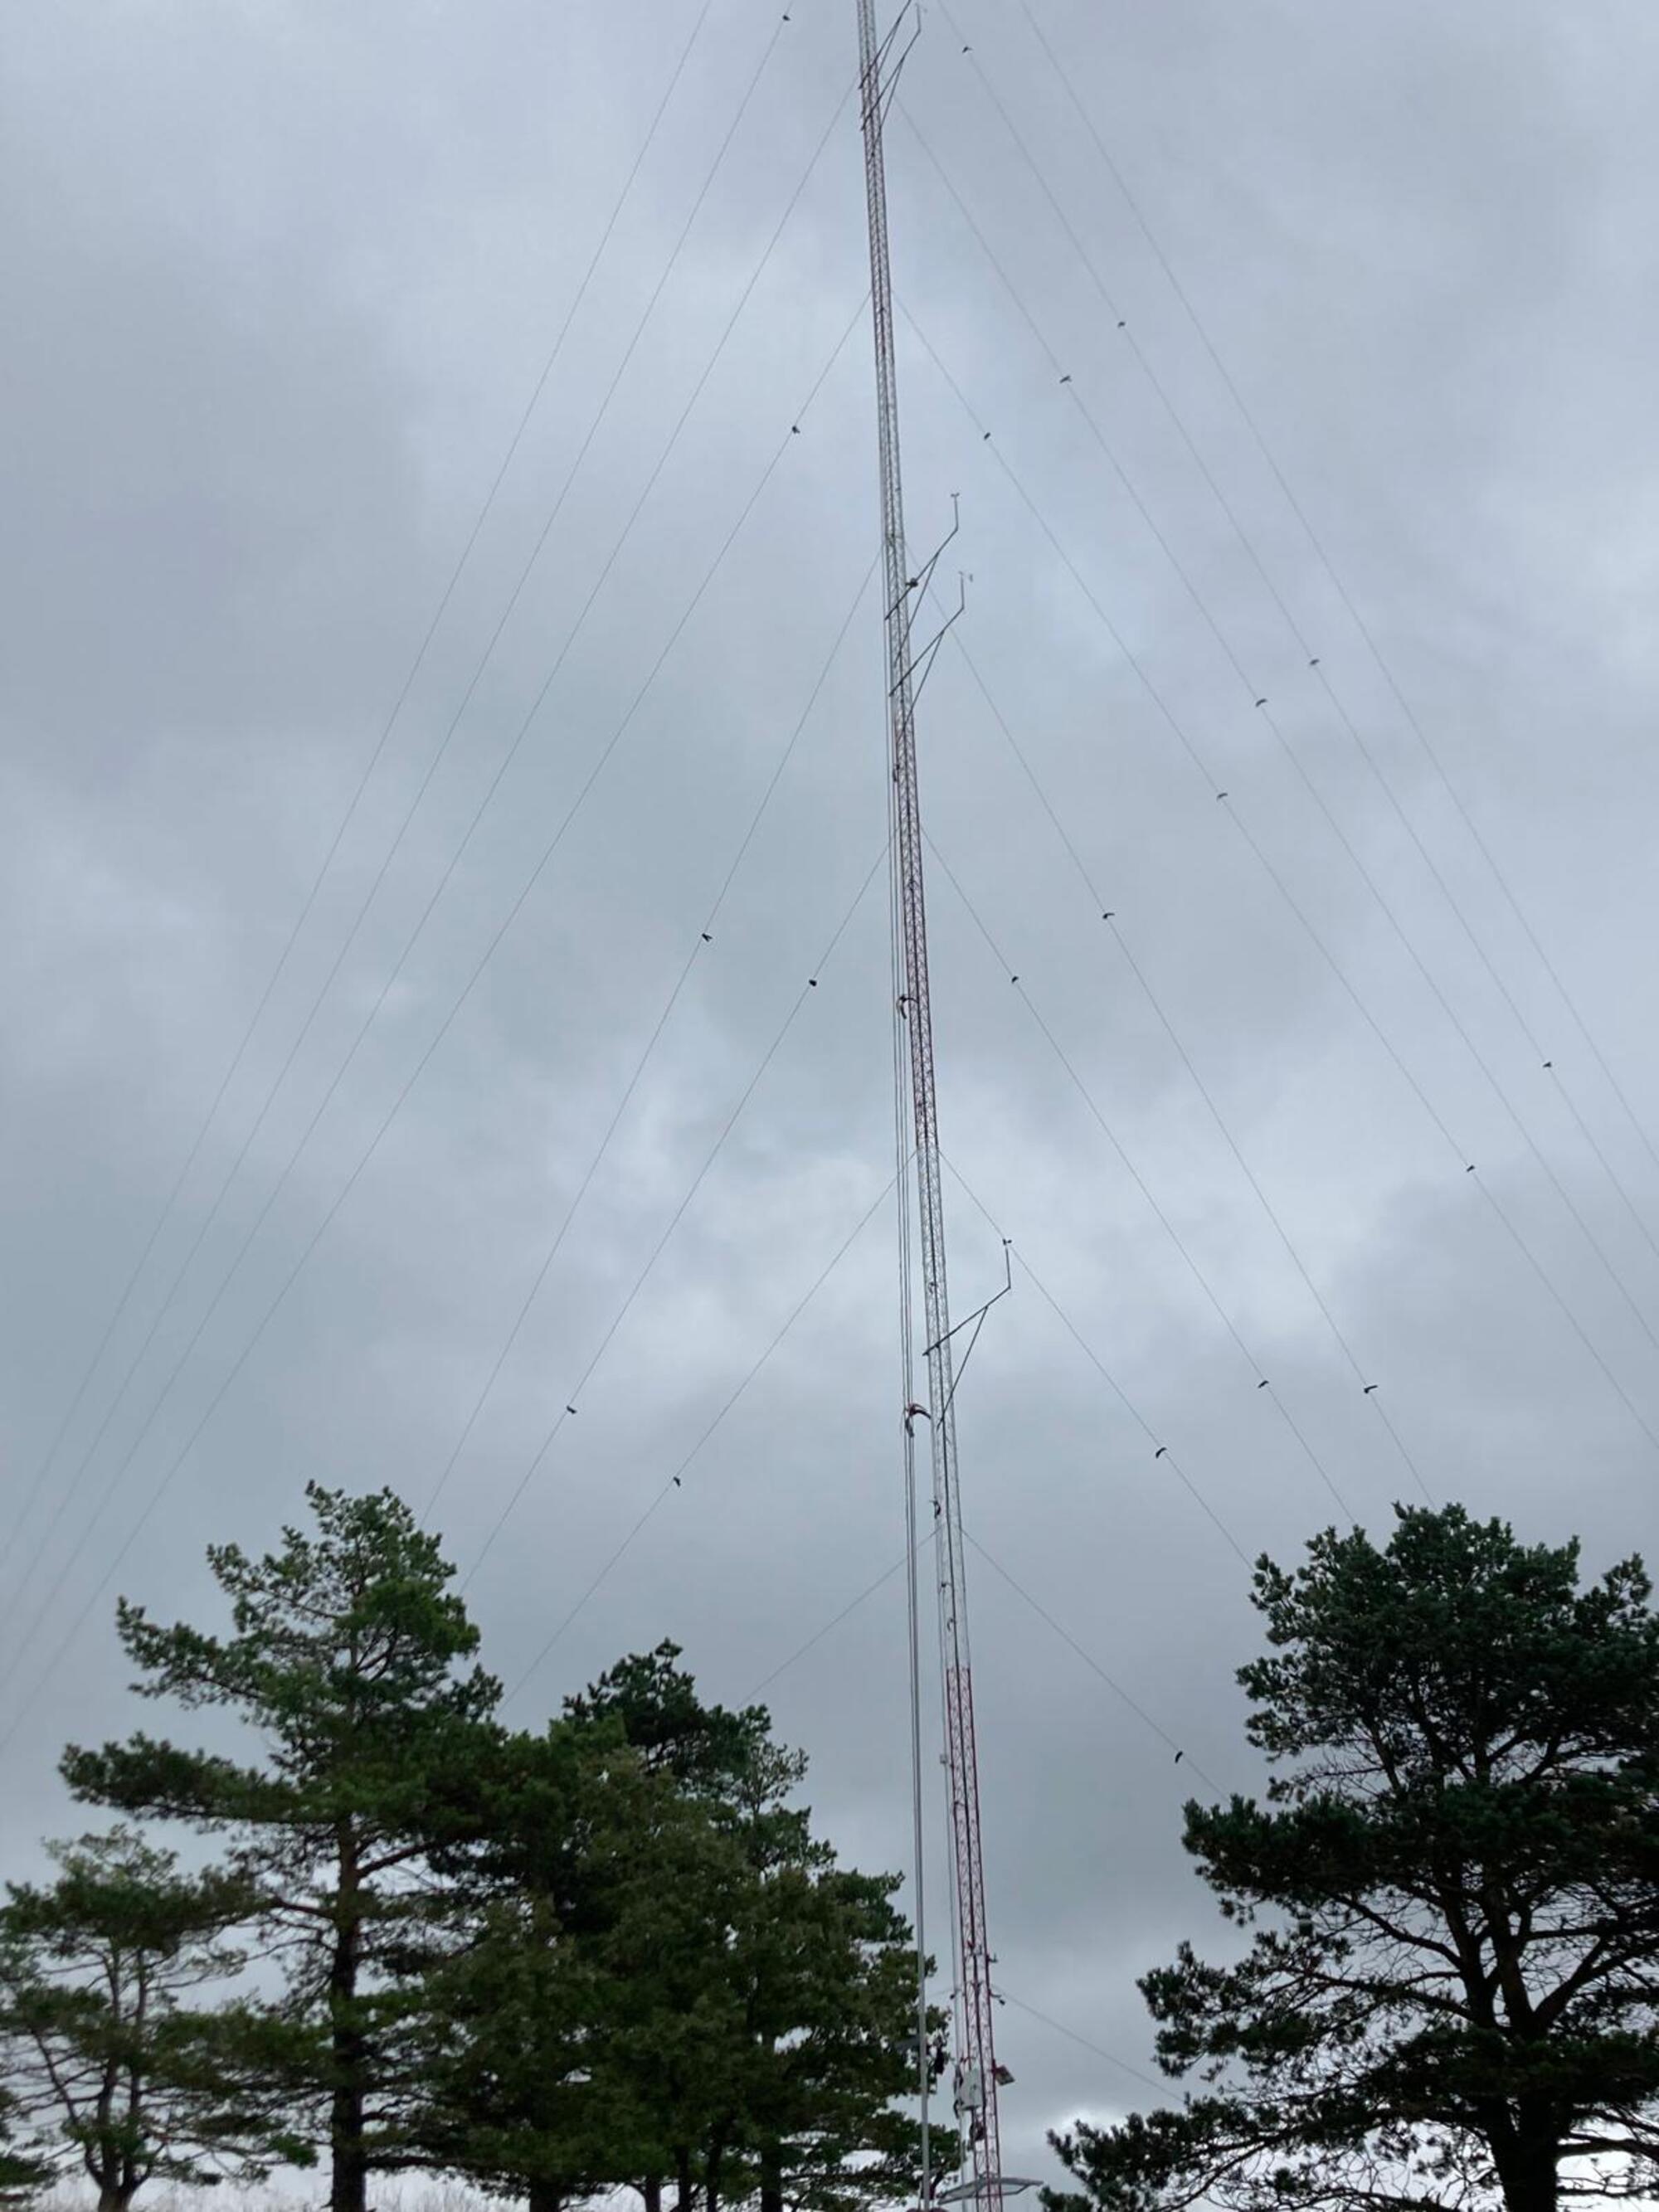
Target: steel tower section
976,2067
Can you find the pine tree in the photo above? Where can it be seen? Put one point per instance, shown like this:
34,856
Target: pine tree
650,1703
826,1970
21,2176
664,1979
539,1852
346,1661
116,2066
769,1995
1449,1990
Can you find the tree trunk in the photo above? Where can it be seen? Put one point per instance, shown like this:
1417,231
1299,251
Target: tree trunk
348,2180
711,2177
545,2196
1531,2183
98,2154
651,2190
1537,2187
683,2170
116,2176
771,2179
1528,2170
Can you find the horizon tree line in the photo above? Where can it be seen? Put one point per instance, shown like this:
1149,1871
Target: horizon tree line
613,1953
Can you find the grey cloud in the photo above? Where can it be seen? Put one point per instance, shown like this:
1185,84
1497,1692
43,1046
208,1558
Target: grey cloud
283,280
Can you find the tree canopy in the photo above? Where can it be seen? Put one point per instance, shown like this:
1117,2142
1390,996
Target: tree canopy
609,1952
1446,1991
115,2052
673,1982
347,1663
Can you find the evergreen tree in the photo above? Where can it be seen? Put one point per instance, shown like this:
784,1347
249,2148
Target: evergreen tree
539,1852
768,1995
116,2069
21,2176
346,1660
1450,1992
650,1703
665,1980
824,1969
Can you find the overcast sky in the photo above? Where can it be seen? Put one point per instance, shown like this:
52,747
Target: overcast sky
280,278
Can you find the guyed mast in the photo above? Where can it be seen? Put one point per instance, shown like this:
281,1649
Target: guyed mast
975,2075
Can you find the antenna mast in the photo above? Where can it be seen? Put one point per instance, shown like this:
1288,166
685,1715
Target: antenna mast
976,2067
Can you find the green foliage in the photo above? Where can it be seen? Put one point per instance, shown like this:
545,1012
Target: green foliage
346,1662
822,1965
769,2025
613,1953
21,2176
519,2013
651,1703
668,1981
115,2066
1449,1992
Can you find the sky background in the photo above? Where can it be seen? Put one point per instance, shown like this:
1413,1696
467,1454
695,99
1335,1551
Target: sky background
280,278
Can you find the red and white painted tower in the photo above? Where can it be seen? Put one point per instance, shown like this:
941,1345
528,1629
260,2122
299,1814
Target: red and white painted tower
974,2068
